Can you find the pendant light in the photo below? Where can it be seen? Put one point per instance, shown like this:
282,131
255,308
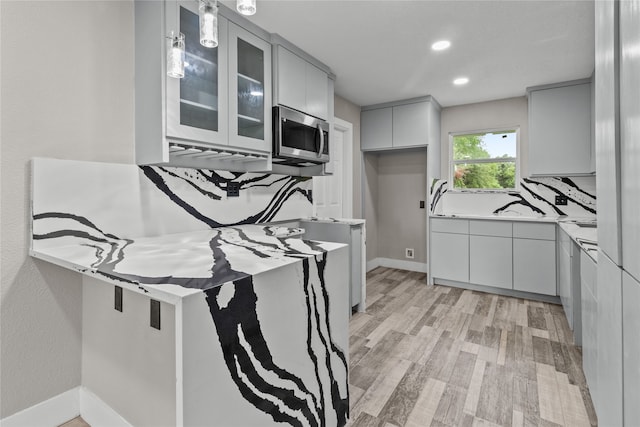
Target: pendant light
208,12
246,7
175,55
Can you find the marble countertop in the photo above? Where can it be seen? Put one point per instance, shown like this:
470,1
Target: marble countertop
176,265
585,236
346,221
497,217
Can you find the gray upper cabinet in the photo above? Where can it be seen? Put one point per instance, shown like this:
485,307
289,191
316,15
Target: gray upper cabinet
220,110
299,84
376,129
411,125
403,124
560,129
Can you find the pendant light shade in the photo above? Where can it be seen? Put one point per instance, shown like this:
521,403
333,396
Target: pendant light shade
175,55
246,7
208,12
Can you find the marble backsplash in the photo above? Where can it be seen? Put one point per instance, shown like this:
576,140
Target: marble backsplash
143,201
535,198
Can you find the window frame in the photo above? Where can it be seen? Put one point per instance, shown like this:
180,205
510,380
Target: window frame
515,160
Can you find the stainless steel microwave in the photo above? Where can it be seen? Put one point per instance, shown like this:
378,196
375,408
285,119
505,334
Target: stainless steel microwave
299,138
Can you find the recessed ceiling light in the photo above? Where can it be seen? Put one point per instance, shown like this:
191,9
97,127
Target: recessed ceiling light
461,81
441,45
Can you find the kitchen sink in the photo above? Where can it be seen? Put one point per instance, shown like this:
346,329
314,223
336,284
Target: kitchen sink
586,224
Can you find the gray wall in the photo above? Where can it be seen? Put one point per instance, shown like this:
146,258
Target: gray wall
486,115
370,196
402,183
67,92
350,112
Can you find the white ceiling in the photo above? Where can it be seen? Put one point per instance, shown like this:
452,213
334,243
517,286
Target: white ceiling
381,50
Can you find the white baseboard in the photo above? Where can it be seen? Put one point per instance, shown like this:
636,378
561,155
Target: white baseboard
420,267
97,413
52,412
64,407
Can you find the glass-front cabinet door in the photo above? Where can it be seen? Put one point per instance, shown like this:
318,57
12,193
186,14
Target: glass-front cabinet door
249,90
197,103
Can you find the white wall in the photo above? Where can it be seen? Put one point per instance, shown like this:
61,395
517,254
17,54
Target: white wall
67,92
350,112
503,113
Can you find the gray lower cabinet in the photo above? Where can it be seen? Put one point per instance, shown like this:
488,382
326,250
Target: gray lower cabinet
350,234
569,287
503,254
589,312
631,346
450,256
490,262
609,361
534,266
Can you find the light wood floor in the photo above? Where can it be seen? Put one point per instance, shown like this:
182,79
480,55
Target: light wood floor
76,422
439,356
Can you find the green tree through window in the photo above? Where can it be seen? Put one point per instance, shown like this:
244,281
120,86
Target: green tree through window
476,164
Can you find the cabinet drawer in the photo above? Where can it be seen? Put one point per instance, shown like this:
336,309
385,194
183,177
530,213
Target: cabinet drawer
491,228
442,225
532,230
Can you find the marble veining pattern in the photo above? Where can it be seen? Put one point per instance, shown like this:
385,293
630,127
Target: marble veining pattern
536,198
194,190
111,221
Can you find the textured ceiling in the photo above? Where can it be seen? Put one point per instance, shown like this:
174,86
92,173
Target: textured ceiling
380,50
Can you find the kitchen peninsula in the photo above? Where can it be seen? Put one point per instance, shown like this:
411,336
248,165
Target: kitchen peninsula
191,302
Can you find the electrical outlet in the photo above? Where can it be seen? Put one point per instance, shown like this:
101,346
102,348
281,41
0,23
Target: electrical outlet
233,189
117,299
408,253
561,200
154,318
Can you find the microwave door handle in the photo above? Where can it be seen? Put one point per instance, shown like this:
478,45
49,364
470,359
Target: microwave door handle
321,149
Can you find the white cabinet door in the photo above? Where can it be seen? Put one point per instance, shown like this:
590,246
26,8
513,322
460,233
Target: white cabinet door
491,261
376,129
560,130
609,404
450,256
630,134
317,89
631,346
589,277
291,79
534,266
411,125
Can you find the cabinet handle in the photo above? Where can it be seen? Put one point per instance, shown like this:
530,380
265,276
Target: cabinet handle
321,149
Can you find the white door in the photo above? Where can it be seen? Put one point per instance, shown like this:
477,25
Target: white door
333,194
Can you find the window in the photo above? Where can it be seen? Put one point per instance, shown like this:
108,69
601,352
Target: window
484,160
